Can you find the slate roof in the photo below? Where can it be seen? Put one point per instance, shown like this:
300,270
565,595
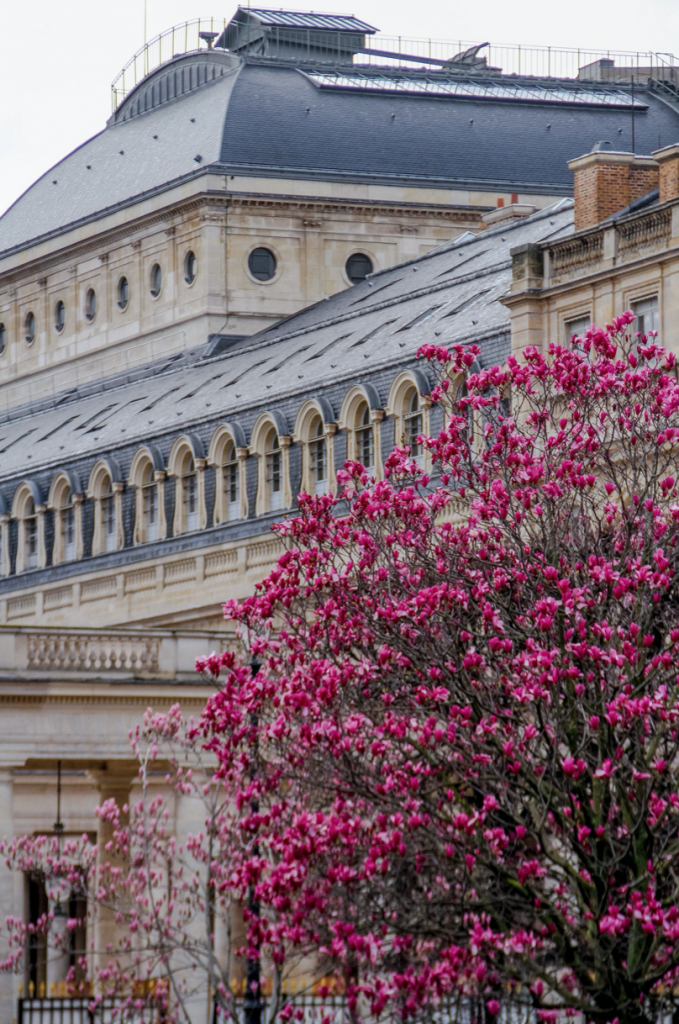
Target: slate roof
269,119
450,295
303,19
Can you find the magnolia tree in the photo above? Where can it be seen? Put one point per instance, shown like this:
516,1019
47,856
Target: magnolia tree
160,910
456,772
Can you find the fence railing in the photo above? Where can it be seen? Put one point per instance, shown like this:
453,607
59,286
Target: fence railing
82,1010
537,61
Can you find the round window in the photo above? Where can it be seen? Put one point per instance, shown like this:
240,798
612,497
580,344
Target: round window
59,316
3,338
29,326
156,280
90,304
123,293
262,264
190,267
358,267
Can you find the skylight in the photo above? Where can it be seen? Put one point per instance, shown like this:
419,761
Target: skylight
503,89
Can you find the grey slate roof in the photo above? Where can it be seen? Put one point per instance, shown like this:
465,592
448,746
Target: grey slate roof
450,295
303,19
268,118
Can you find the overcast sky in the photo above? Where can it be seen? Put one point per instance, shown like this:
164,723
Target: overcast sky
57,60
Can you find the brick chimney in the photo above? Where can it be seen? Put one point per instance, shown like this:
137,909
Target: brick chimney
668,158
605,182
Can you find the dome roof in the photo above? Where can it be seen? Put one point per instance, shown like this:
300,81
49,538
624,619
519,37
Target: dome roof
213,111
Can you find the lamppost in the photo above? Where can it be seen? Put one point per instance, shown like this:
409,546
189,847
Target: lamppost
252,1004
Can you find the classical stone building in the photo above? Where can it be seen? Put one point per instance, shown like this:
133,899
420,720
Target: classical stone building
212,304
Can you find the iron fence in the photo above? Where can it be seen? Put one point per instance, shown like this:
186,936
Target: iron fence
534,61
83,1010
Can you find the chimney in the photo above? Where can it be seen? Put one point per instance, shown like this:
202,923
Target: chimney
668,158
605,182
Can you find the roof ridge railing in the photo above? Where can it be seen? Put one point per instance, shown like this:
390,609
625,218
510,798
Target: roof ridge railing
512,59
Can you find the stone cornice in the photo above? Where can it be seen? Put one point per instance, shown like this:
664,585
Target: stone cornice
222,201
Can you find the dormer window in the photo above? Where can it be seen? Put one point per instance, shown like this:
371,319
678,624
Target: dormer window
29,513
187,465
106,488
147,477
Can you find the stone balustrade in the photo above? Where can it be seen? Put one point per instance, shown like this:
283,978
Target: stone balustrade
632,237
129,654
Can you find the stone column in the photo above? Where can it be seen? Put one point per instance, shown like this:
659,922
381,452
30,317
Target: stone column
114,783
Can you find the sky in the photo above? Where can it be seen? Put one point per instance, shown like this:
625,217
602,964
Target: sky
57,60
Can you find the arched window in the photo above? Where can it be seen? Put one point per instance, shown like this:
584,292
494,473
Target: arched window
147,476
187,465
28,511
410,411
272,445
315,431
228,454
105,488
274,471
65,499
361,417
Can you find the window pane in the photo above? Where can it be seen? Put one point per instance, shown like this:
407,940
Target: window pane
577,326
647,314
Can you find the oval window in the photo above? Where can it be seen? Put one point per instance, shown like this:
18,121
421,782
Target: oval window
123,293
3,338
358,267
156,280
59,316
262,264
190,267
29,325
90,304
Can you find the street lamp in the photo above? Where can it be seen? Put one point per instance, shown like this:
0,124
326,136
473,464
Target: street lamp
252,1004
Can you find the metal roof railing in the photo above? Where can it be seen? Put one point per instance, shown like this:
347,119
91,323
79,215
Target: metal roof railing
516,59
172,42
